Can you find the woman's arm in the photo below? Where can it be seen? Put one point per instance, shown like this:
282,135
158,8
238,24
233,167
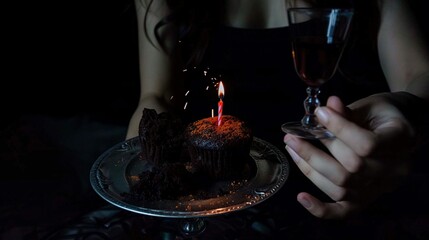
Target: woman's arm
404,57
403,52
156,61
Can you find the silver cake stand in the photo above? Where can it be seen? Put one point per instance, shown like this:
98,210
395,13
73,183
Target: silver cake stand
113,172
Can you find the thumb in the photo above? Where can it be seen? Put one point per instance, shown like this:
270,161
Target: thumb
337,105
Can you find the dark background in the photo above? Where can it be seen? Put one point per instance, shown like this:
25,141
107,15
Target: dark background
68,58
69,86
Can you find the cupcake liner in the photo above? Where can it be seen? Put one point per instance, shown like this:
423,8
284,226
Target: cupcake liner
220,164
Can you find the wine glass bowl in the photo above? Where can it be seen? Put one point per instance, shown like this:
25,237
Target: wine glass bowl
318,37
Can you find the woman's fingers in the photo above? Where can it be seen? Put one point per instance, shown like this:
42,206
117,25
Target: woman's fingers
319,160
360,140
335,210
352,142
337,105
335,192
329,176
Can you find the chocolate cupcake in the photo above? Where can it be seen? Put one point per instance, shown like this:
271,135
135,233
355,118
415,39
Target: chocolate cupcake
222,151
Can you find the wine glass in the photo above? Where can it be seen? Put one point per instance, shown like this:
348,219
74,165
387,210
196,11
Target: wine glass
318,37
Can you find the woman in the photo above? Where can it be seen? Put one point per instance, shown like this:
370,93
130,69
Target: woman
381,81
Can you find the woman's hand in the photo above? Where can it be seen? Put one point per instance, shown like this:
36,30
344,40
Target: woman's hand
366,159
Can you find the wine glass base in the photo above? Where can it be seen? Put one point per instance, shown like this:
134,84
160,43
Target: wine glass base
295,128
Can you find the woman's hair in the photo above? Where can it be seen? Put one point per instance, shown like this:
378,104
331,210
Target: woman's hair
196,20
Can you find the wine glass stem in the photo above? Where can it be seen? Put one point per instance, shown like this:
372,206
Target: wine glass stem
310,104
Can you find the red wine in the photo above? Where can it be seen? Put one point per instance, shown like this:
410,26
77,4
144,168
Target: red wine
315,59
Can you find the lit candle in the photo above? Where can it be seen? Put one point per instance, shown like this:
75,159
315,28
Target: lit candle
221,93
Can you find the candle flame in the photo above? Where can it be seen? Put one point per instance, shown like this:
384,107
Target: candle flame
221,90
